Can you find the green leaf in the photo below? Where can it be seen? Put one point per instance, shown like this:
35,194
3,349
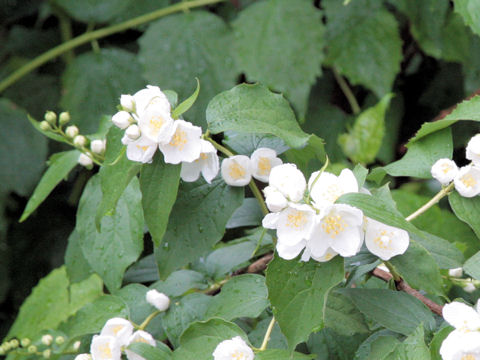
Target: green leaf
22,150
362,143
134,297
342,316
60,165
91,10
466,110
249,214
93,83
120,241
187,103
246,144
159,185
466,210
412,348
328,345
291,38
242,296
51,302
472,266
198,45
397,311
147,351
200,340
311,157
91,318
278,354
134,8
353,40
197,222
254,108
77,266
277,340
181,281
437,341
470,12
379,346
297,292
143,271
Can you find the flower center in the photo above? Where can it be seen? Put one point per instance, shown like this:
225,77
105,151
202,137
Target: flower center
446,168
296,219
203,156
239,355
156,122
116,329
143,148
383,240
332,192
264,166
179,139
333,225
468,357
468,180
105,351
236,171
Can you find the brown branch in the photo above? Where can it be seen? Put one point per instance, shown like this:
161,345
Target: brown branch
403,286
260,264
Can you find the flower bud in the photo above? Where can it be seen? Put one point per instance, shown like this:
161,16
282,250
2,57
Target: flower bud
86,161
456,273
64,118
83,357
98,146
127,102
51,117
32,349
2,351
6,346
47,339
47,353
76,345
45,126
25,342
71,131
133,132
469,287
59,340
158,299
80,141
14,343
122,119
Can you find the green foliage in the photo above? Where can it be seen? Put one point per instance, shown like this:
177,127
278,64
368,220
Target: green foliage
470,12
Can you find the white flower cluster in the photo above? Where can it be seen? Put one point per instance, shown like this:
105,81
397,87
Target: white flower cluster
147,120
238,170
464,341
467,178
234,349
318,225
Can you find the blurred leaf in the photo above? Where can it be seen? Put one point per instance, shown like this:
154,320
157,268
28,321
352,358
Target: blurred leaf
30,42
353,41
22,150
91,10
134,297
143,271
120,241
412,348
379,346
466,210
159,185
254,108
181,281
328,345
277,354
197,222
77,266
362,143
60,165
150,352
470,12
195,44
246,144
342,316
297,292
291,38
311,157
134,8
93,83
437,341
472,266
248,214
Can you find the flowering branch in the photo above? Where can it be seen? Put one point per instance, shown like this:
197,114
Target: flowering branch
441,194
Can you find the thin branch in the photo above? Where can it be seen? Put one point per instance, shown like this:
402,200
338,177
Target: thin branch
267,334
442,193
347,92
260,264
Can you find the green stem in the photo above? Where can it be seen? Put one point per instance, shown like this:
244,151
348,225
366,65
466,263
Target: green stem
441,194
396,276
65,33
347,92
217,146
148,319
97,34
93,43
267,335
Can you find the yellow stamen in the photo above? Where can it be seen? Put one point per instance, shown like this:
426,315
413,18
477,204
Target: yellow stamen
264,166
332,192
156,123
334,225
468,180
105,350
446,168
236,171
143,148
179,139
383,240
468,357
238,355
296,219
203,156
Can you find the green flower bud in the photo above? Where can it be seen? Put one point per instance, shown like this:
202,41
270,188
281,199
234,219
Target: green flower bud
64,118
2,351
47,353
14,343
25,342
71,131
45,126
80,141
59,340
32,349
51,117
6,346
47,339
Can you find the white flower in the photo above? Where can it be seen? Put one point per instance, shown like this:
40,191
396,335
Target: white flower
207,164
329,255
469,287
158,300
76,345
105,348
339,229
122,119
234,349
47,339
139,336
141,150
473,149
127,102
263,160
462,317
79,141
98,146
294,224
444,170
274,199
326,188
288,252
385,241
456,273
148,96
71,131
133,132
236,170
85,160
467,181
156,123
120,329
184,145
83,357
289,181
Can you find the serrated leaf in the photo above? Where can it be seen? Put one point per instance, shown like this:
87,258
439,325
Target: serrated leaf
470,12
292,37
120,241
357,49
362,143
197,222
242,296
254,108
93,83
198,45
159,185
466,210
397,311
60,165
297,292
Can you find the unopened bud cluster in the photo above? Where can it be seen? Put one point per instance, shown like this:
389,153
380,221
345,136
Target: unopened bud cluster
45,346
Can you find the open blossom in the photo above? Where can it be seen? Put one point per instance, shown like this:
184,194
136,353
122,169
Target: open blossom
120,329
158,300
156,123
141,150
444,170
139,336
148,96
385,241
207,164
234,349
289,181
263,160
464,341
327,256
184,145
236,170
467,181
105,347
473,150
